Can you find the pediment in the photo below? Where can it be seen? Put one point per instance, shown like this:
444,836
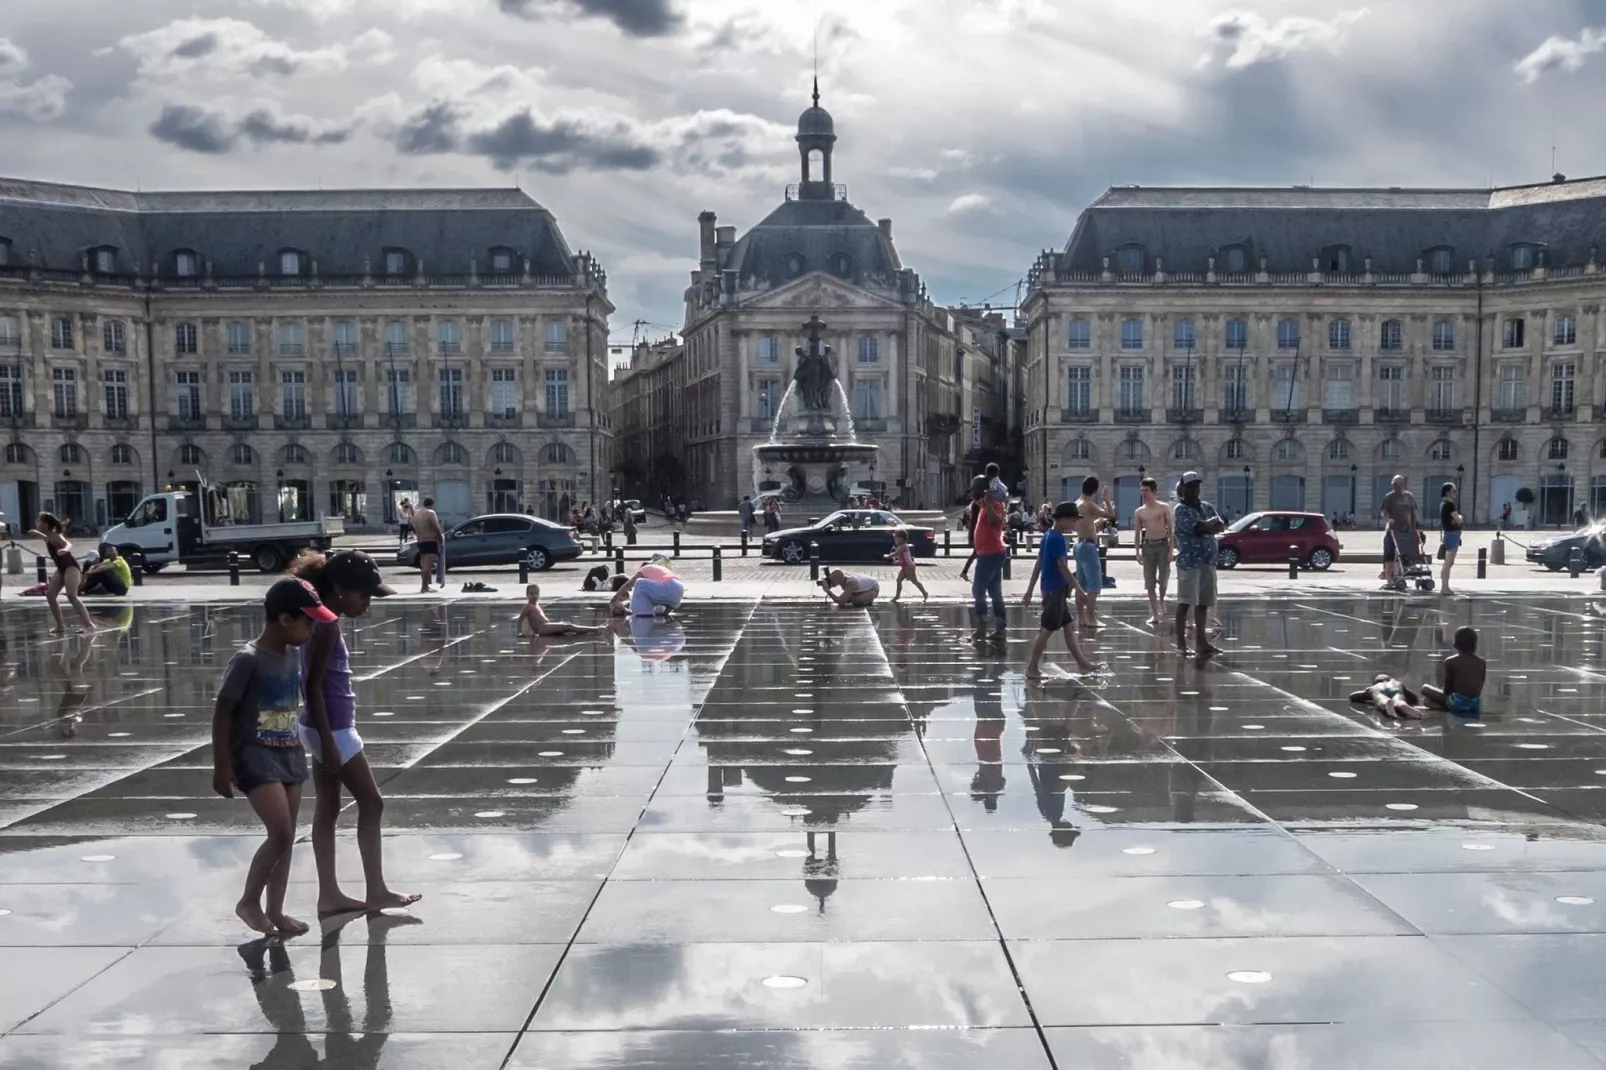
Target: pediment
818,291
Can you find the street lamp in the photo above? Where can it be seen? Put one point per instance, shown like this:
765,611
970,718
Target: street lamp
1353,478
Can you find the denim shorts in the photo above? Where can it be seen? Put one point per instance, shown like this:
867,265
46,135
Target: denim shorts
1452,539
1089,569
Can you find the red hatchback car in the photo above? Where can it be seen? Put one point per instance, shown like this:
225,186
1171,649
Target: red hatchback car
1264,538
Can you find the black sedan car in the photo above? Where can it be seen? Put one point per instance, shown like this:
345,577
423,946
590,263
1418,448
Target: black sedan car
501,539
848,535
1555,553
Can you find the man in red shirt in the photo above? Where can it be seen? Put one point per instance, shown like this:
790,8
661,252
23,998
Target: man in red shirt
988,542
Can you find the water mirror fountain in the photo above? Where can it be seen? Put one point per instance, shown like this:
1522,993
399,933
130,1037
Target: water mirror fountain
814,460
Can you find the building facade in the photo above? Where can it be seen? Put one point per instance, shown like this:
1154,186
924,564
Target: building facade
894,350
649,429
316,353
1299,347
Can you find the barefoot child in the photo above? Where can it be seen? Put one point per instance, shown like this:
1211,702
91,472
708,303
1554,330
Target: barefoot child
255,746
540,626
903,556
346,582
1388,696
1461,678
1058,581
68,575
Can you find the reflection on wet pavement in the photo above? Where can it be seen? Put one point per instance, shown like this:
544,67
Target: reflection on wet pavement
776,835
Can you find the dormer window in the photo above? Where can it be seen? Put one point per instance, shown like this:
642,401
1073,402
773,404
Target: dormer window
502,260
1522,257
795,264
104,260
186,264
1335,259
291,263
5,252
1235,259
1441,261
397,262
841,265
1130,259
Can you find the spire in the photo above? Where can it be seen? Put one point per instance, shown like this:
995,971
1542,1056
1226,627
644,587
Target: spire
816,90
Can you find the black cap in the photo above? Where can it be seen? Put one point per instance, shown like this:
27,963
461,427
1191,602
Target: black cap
1066,509
356,571
294,596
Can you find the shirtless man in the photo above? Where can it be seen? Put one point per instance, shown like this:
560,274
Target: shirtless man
1153,531
427,529
1091,510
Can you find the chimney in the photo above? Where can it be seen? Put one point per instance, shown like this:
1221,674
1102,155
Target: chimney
1558,177
705,227
725,237
886,227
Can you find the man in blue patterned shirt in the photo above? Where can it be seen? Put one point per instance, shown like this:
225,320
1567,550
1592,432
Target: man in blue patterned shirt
1196,524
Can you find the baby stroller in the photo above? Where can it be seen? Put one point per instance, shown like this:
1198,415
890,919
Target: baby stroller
1410,566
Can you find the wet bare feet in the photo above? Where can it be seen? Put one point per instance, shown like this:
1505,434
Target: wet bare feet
286,925
339,904
254,919
388,899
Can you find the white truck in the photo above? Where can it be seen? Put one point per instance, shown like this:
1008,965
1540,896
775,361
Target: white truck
185,527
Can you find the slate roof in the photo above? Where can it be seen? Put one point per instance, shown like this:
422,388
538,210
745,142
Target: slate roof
1290,227
236,230
816,229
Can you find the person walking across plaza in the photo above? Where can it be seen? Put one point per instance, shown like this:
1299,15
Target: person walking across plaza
1053,567
1091,512
346,583
745,510
1401,523
988,582
903,556
1153,531
404,521
1195,524
257,748
427,529
1450,523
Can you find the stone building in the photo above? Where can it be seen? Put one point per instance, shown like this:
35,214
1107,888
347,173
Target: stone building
318,353
1298,347
648,422
817,254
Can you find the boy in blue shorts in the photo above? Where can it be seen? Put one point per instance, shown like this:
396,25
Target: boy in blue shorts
1461,678
1054,568
257,748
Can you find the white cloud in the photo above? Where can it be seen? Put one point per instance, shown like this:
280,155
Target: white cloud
918,174
970,202
329,9
40,100
1248,37
1559,53
225,49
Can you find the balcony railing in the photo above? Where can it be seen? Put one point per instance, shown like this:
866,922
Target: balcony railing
1555,413
1235,414
118,423
506,419
1381,415
1508,416
1188,415
451,418
1447,417
17,418
1289,416
344,421
295,421
400,419
1133,416
1340,416
558,419
1079,416
193,422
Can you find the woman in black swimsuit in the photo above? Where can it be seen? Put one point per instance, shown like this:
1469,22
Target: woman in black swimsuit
67,575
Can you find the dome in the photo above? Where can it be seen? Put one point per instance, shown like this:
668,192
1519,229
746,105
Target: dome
816,122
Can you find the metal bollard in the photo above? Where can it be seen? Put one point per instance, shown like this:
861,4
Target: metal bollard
947,542
618,560
39,563
1009,555
234,568
607,538
1575,561
677,543
1483,563
1293,562
524,570
719,564
136,568
744,543
814,561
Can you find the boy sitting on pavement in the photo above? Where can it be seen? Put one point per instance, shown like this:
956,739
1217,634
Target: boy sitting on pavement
1461,678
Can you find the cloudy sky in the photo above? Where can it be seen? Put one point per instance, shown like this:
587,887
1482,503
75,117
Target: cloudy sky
981,126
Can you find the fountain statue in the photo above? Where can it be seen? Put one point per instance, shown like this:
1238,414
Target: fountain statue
816,460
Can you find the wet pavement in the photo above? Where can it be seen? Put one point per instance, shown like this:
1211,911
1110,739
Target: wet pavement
772,834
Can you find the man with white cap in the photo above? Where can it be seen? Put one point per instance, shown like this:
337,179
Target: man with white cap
1196,524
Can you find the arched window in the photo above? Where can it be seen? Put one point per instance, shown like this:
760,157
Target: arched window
1237,334
504,453
1338,334
71,453
1556,449
1287,334
1234,450
1443,335
1391,449
1185,449
1133,449
122,453
348,453
401,453
16,453
1079,335
242,454
1442,450
1508,450
1130,259
295,454
1392,336
451,453
555,453
1338,449
1286,450
190,454
1079,450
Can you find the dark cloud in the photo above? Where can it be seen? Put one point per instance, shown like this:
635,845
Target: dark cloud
196,47
560,147
275,65
434,130
193,129
262,127
638,18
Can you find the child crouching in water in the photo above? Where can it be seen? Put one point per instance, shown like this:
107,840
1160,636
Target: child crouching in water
1461,678
346,582
904,557
255,746
542,627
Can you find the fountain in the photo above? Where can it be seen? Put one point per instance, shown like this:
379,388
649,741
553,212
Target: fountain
816,453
